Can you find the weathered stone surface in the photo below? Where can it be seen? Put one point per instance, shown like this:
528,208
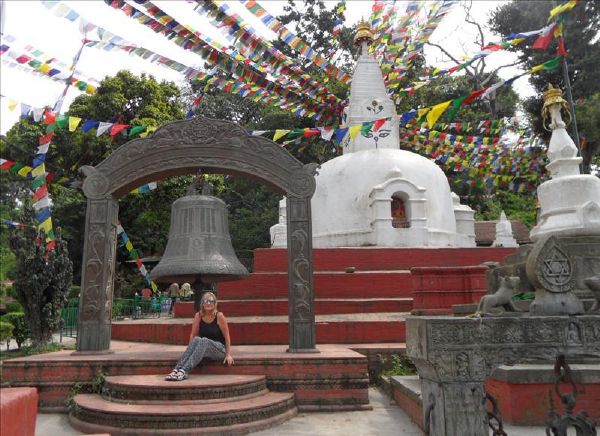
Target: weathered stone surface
455,355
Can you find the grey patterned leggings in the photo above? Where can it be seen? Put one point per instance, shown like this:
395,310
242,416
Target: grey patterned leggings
198,349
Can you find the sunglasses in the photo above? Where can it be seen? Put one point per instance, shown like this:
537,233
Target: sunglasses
208,301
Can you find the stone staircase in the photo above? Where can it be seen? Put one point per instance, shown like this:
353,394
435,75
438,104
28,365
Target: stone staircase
362,295
206,404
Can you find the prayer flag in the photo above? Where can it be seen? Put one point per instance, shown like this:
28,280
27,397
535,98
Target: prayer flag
436,111
354,130
280,133
103,127
543,41
73,123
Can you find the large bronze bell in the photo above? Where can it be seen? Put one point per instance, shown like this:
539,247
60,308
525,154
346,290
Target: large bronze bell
199,246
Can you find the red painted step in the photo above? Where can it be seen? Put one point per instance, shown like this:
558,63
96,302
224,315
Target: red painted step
264,330
372,258
92,413
279,307
148,389
363,284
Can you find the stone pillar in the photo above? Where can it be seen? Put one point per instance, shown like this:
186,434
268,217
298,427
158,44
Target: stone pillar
300,276
95,301
454,356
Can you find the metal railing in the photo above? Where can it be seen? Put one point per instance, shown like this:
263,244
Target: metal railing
122,309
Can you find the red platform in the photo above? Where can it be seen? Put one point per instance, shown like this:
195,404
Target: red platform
336,378
18,410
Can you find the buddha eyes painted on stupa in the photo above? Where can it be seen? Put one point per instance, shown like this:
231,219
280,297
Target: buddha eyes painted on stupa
380,134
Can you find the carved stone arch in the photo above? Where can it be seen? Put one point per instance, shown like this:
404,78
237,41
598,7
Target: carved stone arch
183,147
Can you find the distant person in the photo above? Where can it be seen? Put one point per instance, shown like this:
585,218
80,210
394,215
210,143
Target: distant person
209,338
173,292
186,291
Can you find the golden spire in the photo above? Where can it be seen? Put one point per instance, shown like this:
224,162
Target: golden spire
553,96
363,33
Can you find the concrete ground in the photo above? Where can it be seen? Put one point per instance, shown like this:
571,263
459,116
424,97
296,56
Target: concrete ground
385,419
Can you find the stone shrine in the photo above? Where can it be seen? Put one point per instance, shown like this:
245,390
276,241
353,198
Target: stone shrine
376,194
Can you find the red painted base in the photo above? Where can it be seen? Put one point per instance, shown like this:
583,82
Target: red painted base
529,404
336,377
437,289
258,332
18,411
376,258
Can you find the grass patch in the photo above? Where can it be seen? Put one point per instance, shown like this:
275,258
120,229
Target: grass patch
400,365
29,350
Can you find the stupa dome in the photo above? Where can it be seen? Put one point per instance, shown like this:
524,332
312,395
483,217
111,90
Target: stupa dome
356,195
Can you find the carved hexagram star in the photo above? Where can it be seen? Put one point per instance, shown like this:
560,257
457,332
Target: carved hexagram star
557,267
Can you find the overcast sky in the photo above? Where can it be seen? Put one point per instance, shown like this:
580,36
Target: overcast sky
32,24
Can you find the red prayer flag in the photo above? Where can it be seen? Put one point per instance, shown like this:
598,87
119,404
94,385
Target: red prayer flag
561,51
378,123
49,117
46,138
116,128
473,96
544,39
138,262
41,192
311,132
51,246
6,165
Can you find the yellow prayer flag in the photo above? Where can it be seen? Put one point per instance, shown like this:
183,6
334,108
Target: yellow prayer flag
436,111
44,68
355,130
280,133
46,226
423,111
12,104
536,69
24,171
90,89
517,41
73,123
129,246
562,8
147,132
39,170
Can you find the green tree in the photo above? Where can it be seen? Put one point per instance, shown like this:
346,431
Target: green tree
581,29
42,279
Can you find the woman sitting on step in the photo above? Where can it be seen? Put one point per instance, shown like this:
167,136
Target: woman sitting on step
209,338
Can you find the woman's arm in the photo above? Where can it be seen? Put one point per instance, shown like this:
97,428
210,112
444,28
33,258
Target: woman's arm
195,326
222,322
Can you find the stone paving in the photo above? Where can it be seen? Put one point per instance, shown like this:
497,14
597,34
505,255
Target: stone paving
385,419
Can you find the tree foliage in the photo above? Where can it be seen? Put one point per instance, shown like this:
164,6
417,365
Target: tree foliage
42,279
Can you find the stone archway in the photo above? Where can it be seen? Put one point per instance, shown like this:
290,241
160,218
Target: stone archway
182,147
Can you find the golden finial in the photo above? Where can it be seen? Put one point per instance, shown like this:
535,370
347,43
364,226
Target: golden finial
553,96
363,33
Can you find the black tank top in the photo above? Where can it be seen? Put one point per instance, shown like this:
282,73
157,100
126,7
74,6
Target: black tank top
211,330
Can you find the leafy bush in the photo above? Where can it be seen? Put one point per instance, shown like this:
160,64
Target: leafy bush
401,365
21,331
13,307
6,330
74,292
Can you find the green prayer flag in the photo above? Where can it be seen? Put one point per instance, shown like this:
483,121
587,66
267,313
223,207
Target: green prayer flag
15,168
136,130
551,64
62,121
456,104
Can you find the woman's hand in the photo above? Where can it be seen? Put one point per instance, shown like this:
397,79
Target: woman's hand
228,360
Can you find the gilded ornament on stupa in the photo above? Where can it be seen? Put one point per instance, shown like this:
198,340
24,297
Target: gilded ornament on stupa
553,96
363,32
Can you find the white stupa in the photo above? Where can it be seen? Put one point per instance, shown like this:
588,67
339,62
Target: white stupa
376,194
570,201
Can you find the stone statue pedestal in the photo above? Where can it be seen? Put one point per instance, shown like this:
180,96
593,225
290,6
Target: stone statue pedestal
455,355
